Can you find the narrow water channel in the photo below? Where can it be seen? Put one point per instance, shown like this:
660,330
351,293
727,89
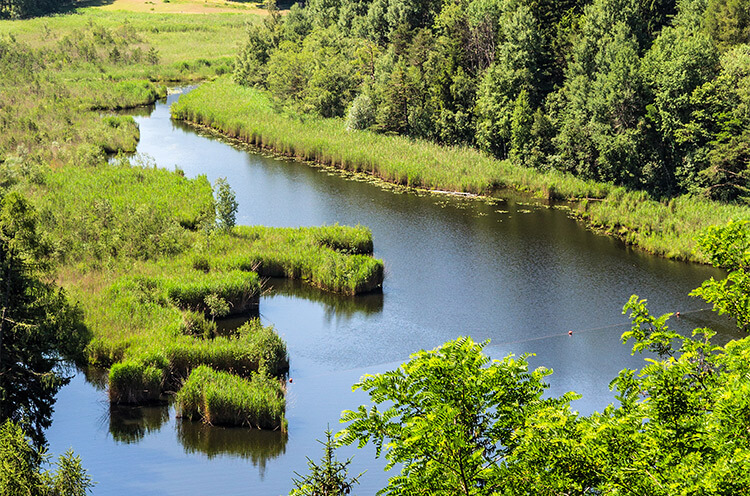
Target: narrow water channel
519,274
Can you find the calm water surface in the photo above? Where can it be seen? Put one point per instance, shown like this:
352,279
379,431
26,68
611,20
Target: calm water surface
520,275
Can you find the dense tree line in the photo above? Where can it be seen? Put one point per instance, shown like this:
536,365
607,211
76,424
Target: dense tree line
649,94
16,9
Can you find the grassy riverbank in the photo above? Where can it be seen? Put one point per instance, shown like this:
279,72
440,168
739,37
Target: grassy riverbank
135,252
134,245
663,228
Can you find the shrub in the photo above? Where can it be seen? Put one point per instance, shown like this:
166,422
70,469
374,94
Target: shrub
361,114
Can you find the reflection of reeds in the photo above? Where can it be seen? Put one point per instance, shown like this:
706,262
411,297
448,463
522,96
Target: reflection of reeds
129,424
250,444
96,376
342,305
219,398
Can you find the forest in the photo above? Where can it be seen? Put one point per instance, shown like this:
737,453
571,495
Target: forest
649,95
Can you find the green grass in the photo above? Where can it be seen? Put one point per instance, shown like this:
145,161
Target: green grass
663,228
219,398
57,73
110,211
247,114
332,258
131,241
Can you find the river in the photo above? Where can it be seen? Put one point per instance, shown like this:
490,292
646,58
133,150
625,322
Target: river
518,273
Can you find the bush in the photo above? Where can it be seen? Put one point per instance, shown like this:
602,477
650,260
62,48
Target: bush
361,114
195,324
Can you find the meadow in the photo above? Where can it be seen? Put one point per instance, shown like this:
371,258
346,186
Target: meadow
665,228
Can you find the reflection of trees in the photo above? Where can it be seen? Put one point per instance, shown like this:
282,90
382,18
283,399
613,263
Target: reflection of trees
142,111
256,445
129,424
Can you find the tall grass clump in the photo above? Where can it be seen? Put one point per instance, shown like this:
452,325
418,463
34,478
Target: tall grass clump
219,398
334,258
238,288
134,382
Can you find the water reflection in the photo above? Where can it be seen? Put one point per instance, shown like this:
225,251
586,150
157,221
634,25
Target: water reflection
97,377
341,306
143,111
251,444
129,424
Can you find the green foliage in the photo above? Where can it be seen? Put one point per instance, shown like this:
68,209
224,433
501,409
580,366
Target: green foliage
248,115
194,323
71,479
121,210
717,131
22,473
729,248
457,422
619,91
680,60
226,205
219,398
664,227
361,114
728,21
329,478
451,416
601,125
135,382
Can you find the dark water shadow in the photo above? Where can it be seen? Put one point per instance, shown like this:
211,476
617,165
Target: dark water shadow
130,424
255,445
141,111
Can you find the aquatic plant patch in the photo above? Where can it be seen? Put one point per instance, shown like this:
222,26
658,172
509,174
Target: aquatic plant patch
219,398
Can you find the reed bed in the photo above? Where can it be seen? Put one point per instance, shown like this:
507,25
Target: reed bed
665,228
247,114
219,398
335,258
149,368
238,288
